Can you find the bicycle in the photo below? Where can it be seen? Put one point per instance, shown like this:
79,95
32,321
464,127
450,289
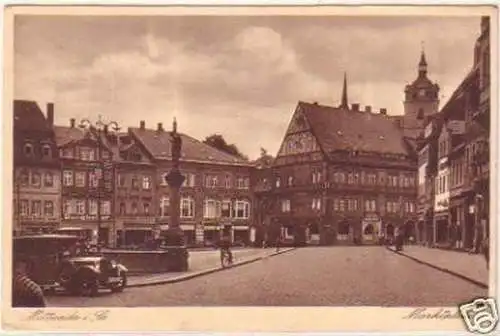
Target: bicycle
226,258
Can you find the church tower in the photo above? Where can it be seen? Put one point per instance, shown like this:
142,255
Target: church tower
421,101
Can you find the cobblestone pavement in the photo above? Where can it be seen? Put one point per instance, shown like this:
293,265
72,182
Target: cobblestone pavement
470,265
338,276
202,260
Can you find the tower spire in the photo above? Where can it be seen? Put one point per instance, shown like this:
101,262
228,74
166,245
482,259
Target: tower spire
422,65
344,103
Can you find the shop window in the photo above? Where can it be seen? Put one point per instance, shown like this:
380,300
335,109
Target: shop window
343,228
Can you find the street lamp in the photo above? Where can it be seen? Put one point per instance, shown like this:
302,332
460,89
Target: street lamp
99,126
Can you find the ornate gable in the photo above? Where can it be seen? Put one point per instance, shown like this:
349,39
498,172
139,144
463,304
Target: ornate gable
298,138
299,122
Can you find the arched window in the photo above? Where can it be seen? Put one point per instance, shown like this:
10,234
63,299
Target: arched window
28,149
420,114
368,229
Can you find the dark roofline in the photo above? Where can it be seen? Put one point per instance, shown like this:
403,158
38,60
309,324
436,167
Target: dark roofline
460,89
241,162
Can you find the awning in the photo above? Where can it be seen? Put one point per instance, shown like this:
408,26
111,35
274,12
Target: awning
241,228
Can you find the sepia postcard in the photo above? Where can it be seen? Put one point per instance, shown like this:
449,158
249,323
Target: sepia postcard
250,169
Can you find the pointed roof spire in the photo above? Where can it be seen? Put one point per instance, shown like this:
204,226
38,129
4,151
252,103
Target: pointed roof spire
174,126
422,65
344,103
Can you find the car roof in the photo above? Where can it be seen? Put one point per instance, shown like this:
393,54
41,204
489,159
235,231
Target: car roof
73,228
88,258
47,237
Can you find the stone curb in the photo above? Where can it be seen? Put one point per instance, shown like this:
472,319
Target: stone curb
442,269
205,272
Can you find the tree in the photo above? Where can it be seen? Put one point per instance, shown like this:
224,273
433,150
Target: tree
217,141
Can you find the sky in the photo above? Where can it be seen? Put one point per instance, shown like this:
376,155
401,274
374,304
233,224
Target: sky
237,76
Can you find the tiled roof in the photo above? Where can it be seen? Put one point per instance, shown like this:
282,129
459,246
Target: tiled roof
341,129
158,143
65,134
29,117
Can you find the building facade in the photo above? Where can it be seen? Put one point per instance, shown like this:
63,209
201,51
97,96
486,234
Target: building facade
135,191
216,196
459,135
86,180
36,170
341,176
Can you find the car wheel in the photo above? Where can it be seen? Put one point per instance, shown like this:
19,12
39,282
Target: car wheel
89,287
120,286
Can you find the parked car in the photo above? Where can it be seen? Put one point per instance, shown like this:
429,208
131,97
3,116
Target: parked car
56,261
87,235
86,275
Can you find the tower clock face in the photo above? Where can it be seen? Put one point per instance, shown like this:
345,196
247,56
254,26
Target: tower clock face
421,92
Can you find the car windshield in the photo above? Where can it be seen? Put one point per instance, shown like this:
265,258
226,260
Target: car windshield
85,262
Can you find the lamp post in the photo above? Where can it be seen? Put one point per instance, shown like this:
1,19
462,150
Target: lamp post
174,234
99,127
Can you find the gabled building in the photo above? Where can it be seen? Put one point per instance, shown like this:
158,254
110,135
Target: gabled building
216,195
36,169
135,202
458,138
86,180
342,175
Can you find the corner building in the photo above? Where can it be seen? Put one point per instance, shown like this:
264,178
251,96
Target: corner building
342,176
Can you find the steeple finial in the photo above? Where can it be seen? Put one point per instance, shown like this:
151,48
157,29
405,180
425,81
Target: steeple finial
344,103
422,65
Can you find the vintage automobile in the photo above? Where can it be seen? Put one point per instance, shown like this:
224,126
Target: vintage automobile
85,275
87,235
55,261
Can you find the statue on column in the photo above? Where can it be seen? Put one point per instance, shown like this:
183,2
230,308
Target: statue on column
176,142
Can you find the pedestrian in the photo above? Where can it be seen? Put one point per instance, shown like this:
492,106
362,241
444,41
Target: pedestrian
278,241
486,252
25,292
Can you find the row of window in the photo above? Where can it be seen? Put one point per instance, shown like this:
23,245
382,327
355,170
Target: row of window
34,208
212,181
85,206
29,150
457,173
441,184
86,178
355,178
212,209
36,179
352,204
83,153
136,182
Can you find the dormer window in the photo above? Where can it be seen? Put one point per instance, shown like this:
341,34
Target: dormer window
28,149
46,150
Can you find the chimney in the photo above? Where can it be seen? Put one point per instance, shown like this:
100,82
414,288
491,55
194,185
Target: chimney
368,109
160,127
383,111
50,113
72,122
355,107
142,124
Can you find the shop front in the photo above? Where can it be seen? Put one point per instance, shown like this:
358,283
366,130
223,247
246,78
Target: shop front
441,227
371,226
